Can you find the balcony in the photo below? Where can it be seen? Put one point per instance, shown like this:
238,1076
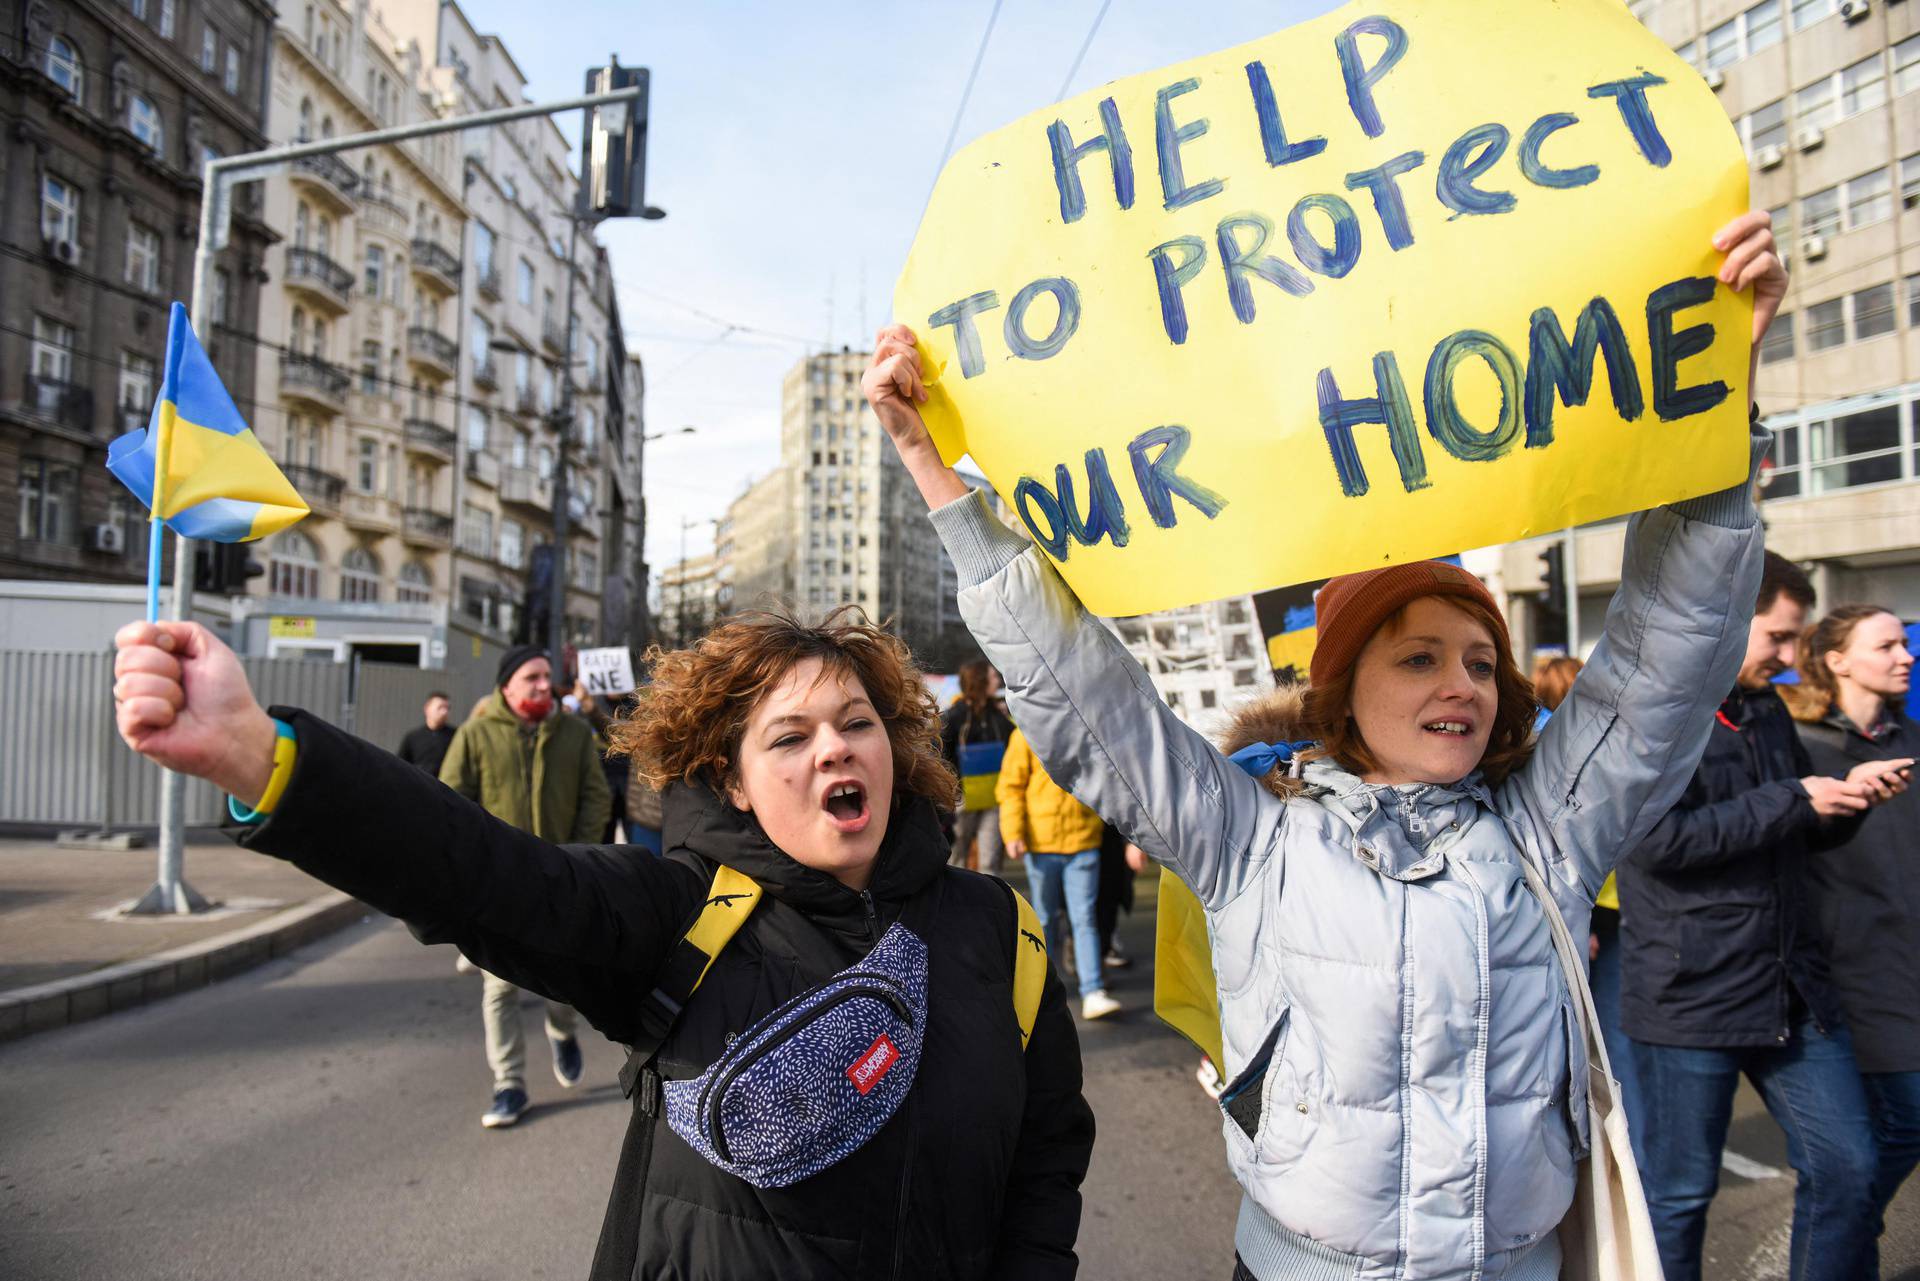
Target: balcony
483,468
553,335
525,401
486,374
321,489
425,436
382,212
62,402
487,281
525,487
433,351
371,513
332,178
313,380
437,264
320,278
425,527
134,417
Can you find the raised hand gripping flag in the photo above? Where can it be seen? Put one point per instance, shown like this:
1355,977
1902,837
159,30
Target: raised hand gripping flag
196,464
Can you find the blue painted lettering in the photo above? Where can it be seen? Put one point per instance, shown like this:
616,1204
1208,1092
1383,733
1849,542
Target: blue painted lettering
1273,133
966,339
1169,137
1360,77
1068,320
1170,277
1472,154
1445,422
1389,408
1631,97
1537,171
1239,262
1670,400
1066,162
1334,260
1557,369
1384,183
1159,477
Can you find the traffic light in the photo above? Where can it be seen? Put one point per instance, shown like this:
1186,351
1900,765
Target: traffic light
222,569
1553,599
615,142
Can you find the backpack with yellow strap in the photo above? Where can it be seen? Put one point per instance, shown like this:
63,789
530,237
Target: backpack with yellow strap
730,901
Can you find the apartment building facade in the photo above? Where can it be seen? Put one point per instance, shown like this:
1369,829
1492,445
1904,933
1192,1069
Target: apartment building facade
1825,95
1205,660
109,109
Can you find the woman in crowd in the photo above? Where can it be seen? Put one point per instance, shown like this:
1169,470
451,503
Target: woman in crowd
1855,671
973,736
845,1093
1406,1078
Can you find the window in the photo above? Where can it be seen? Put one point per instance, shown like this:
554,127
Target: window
306,120
359,576
1906,65
545,460
416,584
1869,199
295,566
47,492
476,428
138,8
63,66
586,569
1826,324
136,381
1814,106
524,288
476,531
1820,213
523,373
222,295
143,121
143,258
513,544
1873,312
209,49
366,471
232,80
1723,44
59,211
376,269
546,388
589,428
370,367
1767,126
1778,345
1863,86
1910,180
1763,26
480,338
483,248
1782,216
518,454
1808,12
1913,302
1856,449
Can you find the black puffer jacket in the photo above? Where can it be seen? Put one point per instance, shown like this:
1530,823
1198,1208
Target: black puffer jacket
1716,935
977,1175
1866,898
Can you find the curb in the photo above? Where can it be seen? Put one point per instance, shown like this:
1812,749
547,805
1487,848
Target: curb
26,1010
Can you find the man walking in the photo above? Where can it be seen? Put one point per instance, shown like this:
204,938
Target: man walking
426,745
537,768
1059,837
1722,975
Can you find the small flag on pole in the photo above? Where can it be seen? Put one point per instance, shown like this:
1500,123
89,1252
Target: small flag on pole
196,464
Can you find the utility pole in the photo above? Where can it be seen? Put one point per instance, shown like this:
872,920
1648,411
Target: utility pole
170,893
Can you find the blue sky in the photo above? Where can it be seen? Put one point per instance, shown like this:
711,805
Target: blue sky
793,146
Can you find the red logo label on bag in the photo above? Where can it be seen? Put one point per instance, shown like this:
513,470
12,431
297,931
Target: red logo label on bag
874,1064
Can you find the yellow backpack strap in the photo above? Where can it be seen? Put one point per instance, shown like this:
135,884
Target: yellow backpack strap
1029,964
730,901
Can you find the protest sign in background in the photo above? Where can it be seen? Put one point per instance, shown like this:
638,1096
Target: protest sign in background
1411,277
606,671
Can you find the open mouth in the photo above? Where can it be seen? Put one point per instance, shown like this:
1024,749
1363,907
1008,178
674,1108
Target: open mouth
1448,729
846,805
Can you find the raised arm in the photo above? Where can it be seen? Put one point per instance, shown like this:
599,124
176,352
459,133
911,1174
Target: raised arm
1086,707
1623,745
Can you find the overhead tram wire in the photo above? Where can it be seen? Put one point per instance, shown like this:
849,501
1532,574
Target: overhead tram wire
966,95
1098,17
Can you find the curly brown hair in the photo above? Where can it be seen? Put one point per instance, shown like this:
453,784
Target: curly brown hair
1326,710
688,721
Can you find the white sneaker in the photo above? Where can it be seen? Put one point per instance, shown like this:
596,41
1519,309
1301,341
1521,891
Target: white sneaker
1097,1005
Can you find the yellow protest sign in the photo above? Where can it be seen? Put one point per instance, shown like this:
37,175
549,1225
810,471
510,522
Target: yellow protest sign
1410,278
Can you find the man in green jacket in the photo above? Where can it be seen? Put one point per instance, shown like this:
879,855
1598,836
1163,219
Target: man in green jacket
532,765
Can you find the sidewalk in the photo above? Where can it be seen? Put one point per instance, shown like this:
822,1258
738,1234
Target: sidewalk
64,957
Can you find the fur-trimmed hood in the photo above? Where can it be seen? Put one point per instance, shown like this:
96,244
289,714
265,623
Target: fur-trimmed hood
1278,716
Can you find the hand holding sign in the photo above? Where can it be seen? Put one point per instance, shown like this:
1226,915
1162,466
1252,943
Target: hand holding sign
1432,261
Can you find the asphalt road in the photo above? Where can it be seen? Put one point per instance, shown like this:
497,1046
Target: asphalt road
318,1118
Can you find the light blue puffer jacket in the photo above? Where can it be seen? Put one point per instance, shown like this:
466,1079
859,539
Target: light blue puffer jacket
1388,985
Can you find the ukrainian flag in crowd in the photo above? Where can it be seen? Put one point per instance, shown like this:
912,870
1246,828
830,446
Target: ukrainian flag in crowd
215,480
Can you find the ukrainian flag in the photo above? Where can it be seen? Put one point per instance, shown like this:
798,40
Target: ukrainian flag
214,480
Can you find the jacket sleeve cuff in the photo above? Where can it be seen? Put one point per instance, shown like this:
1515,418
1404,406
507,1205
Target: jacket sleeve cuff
979,545
1733,508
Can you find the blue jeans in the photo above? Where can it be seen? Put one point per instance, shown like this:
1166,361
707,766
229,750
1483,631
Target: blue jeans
1895,1100
1813,1090
1604,977
1078,877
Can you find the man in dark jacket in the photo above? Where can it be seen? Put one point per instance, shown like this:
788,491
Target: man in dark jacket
1722,974
426,745
532,765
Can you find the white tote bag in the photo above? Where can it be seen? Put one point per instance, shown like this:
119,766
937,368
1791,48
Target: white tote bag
1607,1234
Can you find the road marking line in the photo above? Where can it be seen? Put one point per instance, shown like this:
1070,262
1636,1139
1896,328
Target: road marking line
1747,1168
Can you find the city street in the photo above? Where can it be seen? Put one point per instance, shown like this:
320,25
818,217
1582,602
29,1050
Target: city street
317,1118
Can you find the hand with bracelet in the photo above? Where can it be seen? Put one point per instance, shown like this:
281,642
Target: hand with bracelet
182,700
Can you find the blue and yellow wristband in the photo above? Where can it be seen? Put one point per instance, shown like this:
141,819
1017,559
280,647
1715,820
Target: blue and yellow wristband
285,748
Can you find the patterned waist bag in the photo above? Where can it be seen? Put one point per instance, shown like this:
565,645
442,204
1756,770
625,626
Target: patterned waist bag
806,1086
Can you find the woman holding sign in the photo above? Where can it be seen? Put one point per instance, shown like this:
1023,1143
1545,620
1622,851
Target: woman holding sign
1407,1084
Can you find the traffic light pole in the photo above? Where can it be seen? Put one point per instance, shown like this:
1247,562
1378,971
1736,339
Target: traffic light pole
170,893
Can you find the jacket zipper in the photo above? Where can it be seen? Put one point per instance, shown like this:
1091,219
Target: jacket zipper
906,1184
717,1088
873,916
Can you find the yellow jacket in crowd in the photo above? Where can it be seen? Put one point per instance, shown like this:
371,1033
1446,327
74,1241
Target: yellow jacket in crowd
1037,810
